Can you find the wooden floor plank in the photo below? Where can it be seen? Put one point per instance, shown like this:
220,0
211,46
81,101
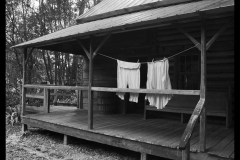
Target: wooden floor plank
167,135
156,132
121,129
209,130
146,133
209,137
228,150
139,129
162,131
222,144
195,134
218,138
150,138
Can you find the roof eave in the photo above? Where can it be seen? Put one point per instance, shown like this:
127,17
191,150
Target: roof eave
124,28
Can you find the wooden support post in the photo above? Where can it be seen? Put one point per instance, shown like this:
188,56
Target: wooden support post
24,128
145,111
203,88
79,99
182,118
229,108
65,139
143,156
186,152
24,90
125,103
55,97
90,105
46,100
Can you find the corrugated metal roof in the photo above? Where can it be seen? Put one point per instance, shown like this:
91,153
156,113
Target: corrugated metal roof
128,20
110,8
111,5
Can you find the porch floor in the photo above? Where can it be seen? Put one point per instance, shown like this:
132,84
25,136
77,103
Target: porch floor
133,128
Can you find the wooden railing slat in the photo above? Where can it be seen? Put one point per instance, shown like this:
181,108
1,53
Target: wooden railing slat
191,123
152,91
55,87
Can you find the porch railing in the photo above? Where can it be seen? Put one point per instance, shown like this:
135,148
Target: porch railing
184,144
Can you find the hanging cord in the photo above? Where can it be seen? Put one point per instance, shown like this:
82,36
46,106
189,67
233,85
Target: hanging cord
183,51
157,60
107,56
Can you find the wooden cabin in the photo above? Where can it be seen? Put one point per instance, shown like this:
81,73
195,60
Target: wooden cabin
197,36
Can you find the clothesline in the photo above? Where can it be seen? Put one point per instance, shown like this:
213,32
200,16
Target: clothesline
157,60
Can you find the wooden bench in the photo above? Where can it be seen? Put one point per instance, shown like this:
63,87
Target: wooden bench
217,104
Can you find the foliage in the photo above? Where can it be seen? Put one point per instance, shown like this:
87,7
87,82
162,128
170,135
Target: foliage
29,19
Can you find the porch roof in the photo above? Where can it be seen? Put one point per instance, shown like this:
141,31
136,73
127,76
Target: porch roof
148,17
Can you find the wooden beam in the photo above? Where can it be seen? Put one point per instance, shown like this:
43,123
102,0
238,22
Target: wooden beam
202,141
186,152
65,139
188,35
101,44
229,108
90,105
153,91
24,81
191,124
46,100
24,90
55,87
79,99
24,128
210,42
143,156
85,50
39,96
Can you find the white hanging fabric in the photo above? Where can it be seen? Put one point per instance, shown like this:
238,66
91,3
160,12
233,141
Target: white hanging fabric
128,74
158,78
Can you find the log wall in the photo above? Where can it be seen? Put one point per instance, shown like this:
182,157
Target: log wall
157,43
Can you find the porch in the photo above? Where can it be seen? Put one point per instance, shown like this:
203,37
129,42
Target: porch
159,137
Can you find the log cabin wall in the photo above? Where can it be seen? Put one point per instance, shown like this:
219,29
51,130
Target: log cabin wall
157,43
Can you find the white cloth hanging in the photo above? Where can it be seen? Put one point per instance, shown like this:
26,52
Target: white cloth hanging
128,74
158,78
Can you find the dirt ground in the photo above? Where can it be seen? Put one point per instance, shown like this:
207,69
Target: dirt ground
39,144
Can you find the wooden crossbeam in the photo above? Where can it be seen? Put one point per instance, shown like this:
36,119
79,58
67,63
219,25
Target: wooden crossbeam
101,44
188,35
85,50
210,42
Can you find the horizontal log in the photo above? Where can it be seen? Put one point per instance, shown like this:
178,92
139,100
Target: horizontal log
194,33
211,24
191,124
185,41
55,87
152,91
61,94
39,96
